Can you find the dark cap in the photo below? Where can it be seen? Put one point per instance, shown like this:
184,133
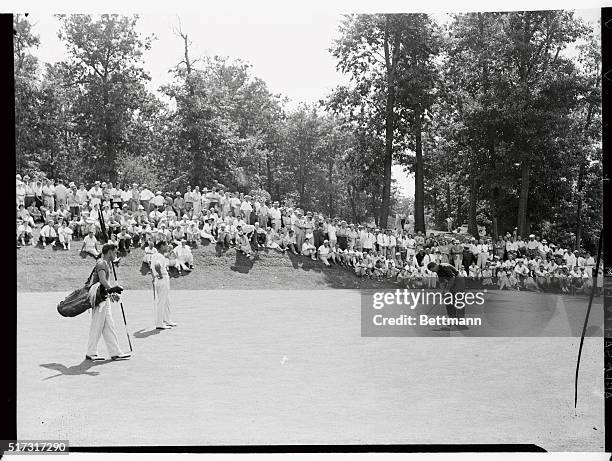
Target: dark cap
108,247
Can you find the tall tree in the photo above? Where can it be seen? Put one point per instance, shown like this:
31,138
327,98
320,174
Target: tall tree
390,60
26,92
104,61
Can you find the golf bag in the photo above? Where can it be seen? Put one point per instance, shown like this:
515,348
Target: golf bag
78,301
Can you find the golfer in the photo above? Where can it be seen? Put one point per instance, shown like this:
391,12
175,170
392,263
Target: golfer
451,282
101,317
161,287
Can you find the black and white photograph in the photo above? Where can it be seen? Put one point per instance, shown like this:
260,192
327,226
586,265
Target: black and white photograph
274,227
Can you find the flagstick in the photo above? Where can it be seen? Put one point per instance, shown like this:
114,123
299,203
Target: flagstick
586,320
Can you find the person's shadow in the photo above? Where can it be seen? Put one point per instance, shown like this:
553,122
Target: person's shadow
80,369
144,269
145,334
243,264
294,258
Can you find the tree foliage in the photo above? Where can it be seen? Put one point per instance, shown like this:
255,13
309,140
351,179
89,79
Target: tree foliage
498,115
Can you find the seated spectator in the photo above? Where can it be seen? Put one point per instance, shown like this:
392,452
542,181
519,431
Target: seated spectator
48,234
64,234
244,244
125,241
323,252
308,248
207,232
24,233
184,256
90,244
149,251
487,275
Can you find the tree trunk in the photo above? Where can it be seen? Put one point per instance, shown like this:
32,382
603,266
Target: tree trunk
523,200
472,224
495,230
459,215
419,183
351,189
389,128
331,186
449,200
270,179
579,207
390,62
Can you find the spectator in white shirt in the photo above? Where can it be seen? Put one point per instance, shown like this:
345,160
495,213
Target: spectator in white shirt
90,245
324,252
64,234
48,234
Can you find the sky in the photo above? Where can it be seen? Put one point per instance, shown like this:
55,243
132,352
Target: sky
287,47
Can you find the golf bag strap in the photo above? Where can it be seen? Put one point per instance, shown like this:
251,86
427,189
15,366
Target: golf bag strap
88,281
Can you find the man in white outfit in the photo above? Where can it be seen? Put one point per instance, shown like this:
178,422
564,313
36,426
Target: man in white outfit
101,317
161,286
184,257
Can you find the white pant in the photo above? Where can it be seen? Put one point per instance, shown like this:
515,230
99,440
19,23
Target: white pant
185,259
102,324
162,301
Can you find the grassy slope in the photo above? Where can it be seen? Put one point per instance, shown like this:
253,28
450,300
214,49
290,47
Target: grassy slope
59,270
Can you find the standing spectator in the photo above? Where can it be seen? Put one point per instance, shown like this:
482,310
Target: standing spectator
341,235
179,204
571,259
235,204
117,195
157,201
224,203
81,195
483,253
213,201
30,191
145,198
48,193
95,194
188,197
72,201
275,216
532,246
197,202
246,209
21,191
38,200
135,198
500,248
61,194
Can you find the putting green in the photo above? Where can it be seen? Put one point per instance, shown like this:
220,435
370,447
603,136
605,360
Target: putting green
291,367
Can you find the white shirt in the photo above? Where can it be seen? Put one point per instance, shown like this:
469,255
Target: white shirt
89,243
146,194
158,258
275,213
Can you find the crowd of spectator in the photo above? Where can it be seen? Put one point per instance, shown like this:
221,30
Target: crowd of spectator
53,213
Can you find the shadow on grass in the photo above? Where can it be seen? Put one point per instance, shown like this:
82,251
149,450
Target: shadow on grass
243,264
146,333
74,370
144,269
